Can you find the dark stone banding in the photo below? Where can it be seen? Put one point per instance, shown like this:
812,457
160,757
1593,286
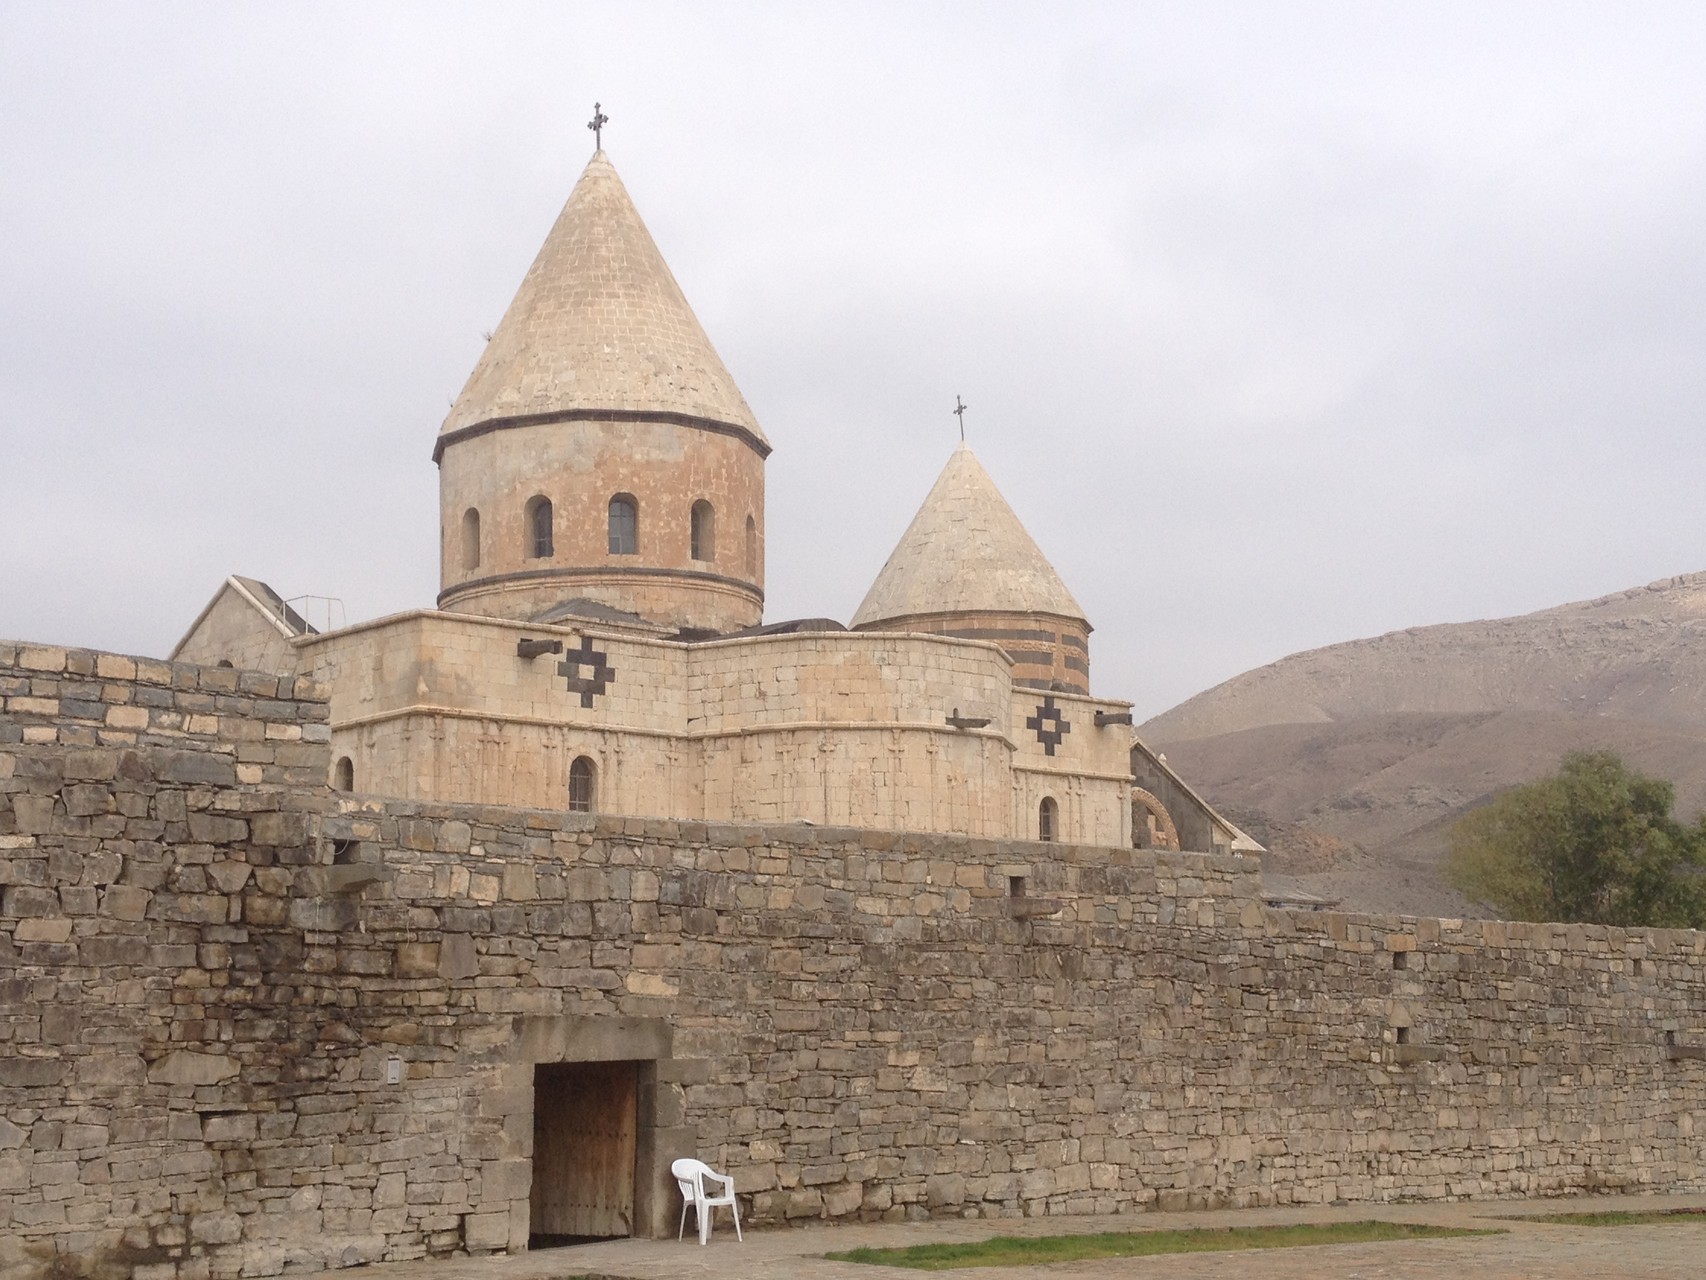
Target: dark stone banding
715,427
574,571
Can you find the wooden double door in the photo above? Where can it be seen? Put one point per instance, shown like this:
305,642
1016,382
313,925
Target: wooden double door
585,1129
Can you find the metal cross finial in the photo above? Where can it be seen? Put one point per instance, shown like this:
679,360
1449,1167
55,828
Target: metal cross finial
960,413
597,123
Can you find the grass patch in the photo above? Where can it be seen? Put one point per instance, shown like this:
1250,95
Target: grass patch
1017,1251
1616,1217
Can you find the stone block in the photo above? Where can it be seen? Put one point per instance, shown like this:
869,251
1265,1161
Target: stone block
42,929
125,902
230,1128
520,884
279,830
33,815
229,876
944,1189
505,1180
196,768
843,1199
211,828
127,718
417,959
803,1202
216,1228
486,1230
186,1066
23,1073
457,957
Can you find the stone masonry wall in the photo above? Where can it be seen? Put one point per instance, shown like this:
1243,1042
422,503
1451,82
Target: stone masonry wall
204,1004
149,815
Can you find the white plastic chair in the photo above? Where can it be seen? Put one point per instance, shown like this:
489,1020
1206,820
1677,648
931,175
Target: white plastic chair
691,1176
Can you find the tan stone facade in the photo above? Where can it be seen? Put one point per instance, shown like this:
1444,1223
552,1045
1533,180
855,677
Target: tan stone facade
254,1027
599,641
494,482
1048,651
834,728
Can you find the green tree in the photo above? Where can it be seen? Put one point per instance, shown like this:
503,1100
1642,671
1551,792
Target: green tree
1595,842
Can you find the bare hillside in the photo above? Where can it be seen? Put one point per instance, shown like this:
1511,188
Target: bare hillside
1373,748
1639,654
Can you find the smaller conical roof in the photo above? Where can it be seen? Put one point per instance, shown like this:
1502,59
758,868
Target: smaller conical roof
600,323
965,552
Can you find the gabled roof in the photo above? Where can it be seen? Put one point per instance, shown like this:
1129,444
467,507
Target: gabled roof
257,595
965,552
599,323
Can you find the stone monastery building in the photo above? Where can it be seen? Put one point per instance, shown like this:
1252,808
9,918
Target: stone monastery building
609,872
599,641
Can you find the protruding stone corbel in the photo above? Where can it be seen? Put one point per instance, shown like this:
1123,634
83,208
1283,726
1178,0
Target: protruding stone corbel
531,649
1034,908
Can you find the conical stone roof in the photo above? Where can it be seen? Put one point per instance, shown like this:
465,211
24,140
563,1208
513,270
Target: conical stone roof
599,323
965,552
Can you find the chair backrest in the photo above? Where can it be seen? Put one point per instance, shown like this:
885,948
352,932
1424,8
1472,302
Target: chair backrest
688,1174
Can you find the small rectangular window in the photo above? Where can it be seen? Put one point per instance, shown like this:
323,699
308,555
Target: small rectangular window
1015,886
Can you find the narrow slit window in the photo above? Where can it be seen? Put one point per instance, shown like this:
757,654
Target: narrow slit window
583,780
471,539
751,547
704,531
624,525
1048,819
539,531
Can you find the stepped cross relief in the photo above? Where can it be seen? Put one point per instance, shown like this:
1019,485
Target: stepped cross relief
600,672
1049,725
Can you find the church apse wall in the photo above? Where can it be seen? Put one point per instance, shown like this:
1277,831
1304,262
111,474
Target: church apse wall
252,1024
851,729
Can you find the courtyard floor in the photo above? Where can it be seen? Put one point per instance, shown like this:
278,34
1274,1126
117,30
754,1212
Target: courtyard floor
1529,1251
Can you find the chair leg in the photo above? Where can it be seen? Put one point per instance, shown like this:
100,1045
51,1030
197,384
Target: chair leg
704,1224
682,1225
735,1209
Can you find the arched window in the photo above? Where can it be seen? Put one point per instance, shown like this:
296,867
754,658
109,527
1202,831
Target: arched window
470,539
624,525
704,540
539,528
1048,819
582,785
343,774
751,547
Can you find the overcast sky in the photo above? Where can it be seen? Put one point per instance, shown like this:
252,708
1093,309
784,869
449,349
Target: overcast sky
1279,324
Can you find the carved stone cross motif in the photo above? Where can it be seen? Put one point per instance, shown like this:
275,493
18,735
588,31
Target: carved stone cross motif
1049,725
600,674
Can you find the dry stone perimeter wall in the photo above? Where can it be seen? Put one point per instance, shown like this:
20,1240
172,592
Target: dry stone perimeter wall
207,962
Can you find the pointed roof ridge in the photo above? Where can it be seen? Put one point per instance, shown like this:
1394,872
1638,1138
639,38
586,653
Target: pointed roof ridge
966,551
599,323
